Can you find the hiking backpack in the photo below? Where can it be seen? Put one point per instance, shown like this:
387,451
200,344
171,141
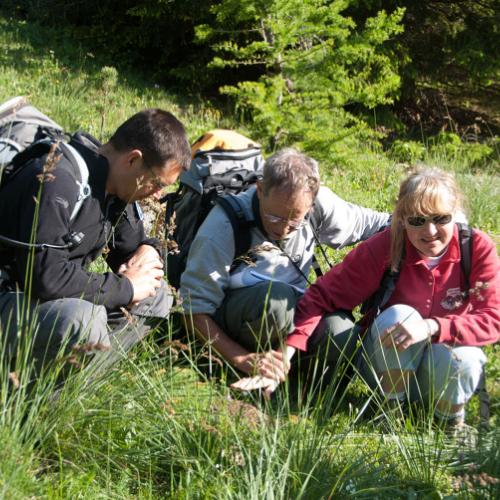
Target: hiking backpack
224,163
21,124
25,134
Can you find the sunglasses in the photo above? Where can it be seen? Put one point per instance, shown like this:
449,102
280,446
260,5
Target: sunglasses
274,219
438,220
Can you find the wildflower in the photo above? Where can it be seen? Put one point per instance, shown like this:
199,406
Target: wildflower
477,289
50,164
14,379
130,319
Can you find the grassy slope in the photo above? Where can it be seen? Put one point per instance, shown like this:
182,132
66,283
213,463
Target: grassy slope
153,428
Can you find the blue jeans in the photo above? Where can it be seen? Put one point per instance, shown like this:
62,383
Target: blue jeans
439,371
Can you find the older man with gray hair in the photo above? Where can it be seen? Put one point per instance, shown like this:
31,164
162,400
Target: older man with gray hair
244,305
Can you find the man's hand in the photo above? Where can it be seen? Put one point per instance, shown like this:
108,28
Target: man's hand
145,271
143,254
403,335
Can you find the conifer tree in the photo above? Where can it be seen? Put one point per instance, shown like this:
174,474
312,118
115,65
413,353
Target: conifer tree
315,66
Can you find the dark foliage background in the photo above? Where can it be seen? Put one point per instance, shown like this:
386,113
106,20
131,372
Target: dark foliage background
446,55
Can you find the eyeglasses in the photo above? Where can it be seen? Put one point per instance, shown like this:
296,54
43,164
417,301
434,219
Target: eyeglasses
274,219
156,181
419,221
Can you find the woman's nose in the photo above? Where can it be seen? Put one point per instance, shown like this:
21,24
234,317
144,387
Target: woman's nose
430,227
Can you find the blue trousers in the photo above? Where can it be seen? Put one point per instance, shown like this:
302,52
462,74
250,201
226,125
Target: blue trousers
48,327
439,371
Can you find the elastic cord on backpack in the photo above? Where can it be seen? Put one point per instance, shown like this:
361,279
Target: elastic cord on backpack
73,239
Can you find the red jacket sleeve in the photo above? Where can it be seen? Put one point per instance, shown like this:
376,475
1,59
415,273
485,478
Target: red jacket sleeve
345,286
480,325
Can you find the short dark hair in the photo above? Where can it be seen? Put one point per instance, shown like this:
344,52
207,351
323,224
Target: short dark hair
158,134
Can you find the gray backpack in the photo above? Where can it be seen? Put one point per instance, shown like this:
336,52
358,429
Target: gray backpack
25,133
224,163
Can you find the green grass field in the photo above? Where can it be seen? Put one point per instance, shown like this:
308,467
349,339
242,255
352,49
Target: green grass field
155,427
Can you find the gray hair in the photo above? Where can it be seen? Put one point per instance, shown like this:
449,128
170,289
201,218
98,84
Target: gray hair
290,171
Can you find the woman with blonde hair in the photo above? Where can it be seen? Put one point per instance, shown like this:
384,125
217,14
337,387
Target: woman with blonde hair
429,334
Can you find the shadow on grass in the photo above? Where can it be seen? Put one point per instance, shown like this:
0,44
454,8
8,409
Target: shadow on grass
73,81
34,42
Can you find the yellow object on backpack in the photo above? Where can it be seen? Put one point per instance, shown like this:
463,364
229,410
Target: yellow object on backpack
225,140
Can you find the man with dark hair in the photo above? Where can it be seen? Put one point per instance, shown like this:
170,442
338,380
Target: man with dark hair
46,287
157,134
244,305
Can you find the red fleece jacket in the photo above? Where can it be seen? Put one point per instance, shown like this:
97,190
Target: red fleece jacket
436,293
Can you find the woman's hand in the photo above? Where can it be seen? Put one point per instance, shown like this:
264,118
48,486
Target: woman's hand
271,364
403,335
271,367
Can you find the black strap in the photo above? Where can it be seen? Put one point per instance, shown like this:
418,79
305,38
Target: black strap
380,298
465,235
314,223
241,226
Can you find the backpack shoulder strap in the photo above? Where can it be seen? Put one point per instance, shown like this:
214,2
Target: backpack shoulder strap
78,165
465,235
81,172
239,222
35,150
380,298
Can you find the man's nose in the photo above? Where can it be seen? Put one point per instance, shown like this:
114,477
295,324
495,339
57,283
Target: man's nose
158,193
287,229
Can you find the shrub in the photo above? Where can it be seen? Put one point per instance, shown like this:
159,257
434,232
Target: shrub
407,151
450,146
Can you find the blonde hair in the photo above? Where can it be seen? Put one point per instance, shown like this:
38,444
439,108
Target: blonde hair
426,191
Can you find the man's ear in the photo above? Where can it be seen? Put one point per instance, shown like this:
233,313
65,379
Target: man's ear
259,189
132,156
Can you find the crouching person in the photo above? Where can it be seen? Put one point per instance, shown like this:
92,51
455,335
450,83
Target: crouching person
47,291
244,305
426,341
